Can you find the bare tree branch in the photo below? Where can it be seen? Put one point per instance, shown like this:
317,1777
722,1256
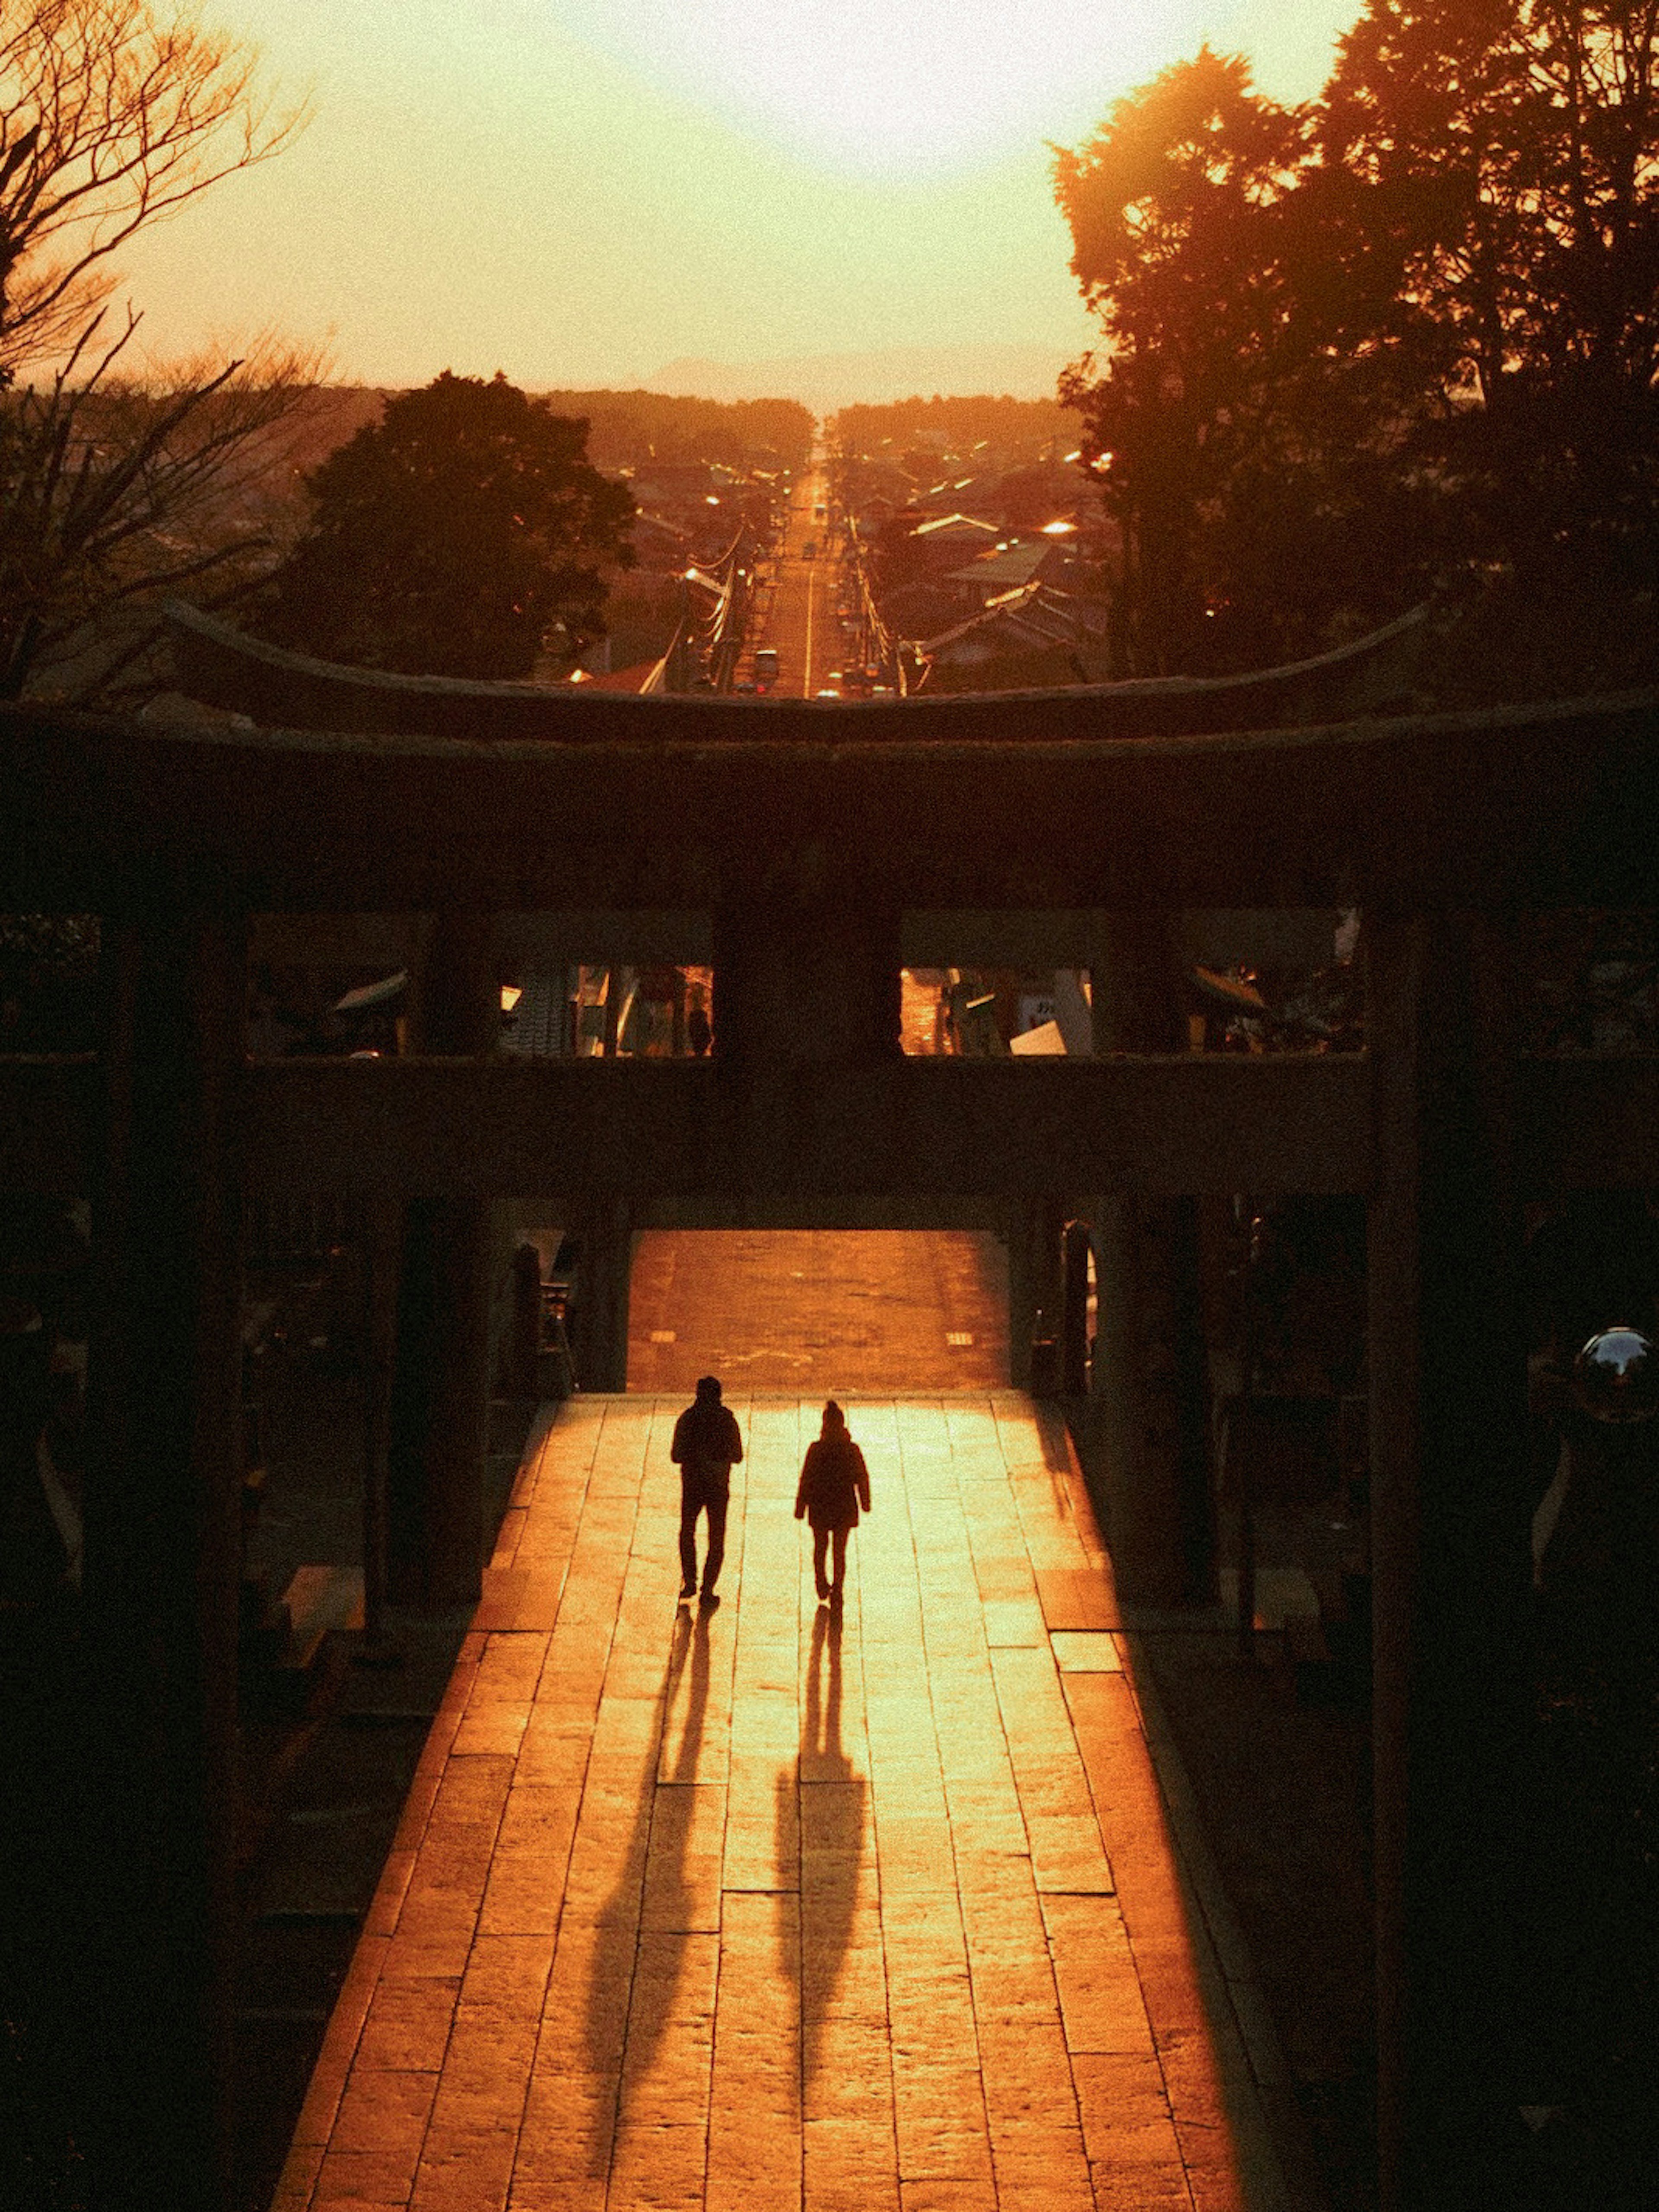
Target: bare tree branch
111,116
117,486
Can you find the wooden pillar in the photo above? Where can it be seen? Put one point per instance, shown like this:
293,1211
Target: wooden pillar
1033,1238
439,1422
161,1560
1135,985
524,1331
1450,1542
805,981
383,1230
599,1313
1151,1363
1189,1386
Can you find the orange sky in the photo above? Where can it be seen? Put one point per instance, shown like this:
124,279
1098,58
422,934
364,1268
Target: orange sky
568,190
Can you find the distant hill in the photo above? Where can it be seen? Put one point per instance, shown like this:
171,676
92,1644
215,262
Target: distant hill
629,430
826,381
1021,430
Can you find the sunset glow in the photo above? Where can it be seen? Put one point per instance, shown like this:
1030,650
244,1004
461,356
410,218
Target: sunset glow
582,192
893,86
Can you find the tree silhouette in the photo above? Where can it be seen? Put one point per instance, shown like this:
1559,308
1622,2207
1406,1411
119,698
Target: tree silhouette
115,487
1176,208
454,538
1502,158
1403,338
113,113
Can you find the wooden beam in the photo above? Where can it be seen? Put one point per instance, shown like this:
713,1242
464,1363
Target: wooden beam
951,1128
1581,1124
1023,801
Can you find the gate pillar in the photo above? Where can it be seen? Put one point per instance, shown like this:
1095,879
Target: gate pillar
1151,1367
440,1405
598,1347
1451,1511
161,1560
808,980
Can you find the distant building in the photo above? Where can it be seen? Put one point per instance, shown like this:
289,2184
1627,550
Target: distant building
1008,568
1033,635
937,546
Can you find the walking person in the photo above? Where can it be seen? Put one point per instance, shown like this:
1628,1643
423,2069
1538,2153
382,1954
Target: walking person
706,1447
833,1483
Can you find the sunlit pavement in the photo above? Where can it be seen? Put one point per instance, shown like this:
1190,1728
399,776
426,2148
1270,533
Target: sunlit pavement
757,1908
819,1310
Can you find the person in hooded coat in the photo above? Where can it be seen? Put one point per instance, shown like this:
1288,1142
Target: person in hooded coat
706,1447
834,1483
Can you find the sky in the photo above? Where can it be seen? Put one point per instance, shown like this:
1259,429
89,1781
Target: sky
577,191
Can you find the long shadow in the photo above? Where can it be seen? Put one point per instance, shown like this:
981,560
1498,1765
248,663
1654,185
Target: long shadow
625,2025
831,1802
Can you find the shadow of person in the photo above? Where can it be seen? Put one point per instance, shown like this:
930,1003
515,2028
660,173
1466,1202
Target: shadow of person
830,1803
653,1907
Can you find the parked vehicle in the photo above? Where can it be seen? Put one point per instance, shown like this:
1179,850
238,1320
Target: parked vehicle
766,667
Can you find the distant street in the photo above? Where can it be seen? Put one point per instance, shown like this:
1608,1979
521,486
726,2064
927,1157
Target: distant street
800,619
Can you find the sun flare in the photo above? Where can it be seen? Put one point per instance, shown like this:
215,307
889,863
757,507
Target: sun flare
888,87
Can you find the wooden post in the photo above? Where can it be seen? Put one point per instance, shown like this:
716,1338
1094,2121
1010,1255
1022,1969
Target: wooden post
162,1552
1451,1511
1151,1362
524,1329
441,1408
382,1244
809,981
1033,1238
1190,1382
599,1312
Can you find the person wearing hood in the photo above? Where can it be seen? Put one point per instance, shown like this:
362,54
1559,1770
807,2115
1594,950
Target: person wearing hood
834,1482
706,1447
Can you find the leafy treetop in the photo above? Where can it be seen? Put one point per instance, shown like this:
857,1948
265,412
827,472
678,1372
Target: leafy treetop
457,536
1402,339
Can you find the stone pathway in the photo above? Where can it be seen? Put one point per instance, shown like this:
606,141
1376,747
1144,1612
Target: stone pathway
759,1909
822,1310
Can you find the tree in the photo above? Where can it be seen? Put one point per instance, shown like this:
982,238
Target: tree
1177,212
454,538
1404,339
115,488
1502,158
113,114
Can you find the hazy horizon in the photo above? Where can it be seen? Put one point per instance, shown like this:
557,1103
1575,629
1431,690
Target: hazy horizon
581,194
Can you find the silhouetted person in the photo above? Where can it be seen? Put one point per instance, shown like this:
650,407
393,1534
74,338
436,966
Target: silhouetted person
699,1034
706,1448
833,1483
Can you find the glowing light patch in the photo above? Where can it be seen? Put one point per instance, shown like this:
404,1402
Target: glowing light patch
896,85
